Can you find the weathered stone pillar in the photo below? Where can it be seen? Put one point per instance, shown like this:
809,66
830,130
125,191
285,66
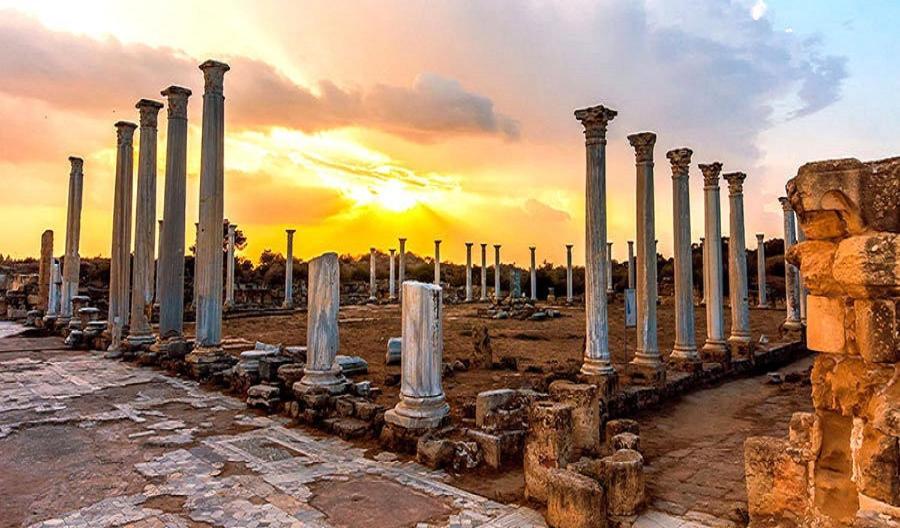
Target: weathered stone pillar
322,337
437,262
401,274
373,285
72,259
737,270
45,271
647,366
120,255
569,293
212,214
392,287
422,404
196,264
468,271
685,351
140,335
172,237
597,363
801,283
484,295
229,267
761,271
497,296
716,348
609,268
159,250
55,287
289,271
791,276
533,274
703,271
631,270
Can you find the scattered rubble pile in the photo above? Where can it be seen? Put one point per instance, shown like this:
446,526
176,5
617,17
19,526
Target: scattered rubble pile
520,309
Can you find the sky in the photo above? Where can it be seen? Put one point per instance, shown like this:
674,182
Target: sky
359,122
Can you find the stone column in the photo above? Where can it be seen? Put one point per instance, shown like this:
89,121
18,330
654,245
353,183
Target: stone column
703,270
289,271
685,351
422,404
45,270
569,293
120,255
761,271
497,297
401,273
373,285
159,250
791,277
229,267
716,347
609,268
647,366
631,270
55,286
322,337
212,215
140,335
72,259
171,255
484,295
801,282
392,288
737,270
597,362
533,274
468,272
437,262
196,261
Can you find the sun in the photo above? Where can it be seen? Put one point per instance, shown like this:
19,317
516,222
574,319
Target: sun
393,196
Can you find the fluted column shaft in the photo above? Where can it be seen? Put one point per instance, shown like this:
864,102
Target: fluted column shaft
533,274
392,288
373,285
437,262
596,359
45,271
685,346
172,238
801,282
703,271
55,286
72,260
647,349
609,268
229,267
322,337
120,254
401,273
791,275
484,295
159,246
212,214
468,272
569,278
631,270
497,272
737,269
289,270
761,271
715,315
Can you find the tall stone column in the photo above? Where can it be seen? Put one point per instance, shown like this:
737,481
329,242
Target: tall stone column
569,293
422,404
45,270
497,296
72,260
120,255
392,288
140,335
596,363
196,264
401,274
289,271
703,270
322,337
685,351
737,270
631,270
801,282
229,267
533,274
468,272
373,285
791,276
609,268
761,270
647,366
172,238
716,347
55,287
212,213
437,262
484,295
159,250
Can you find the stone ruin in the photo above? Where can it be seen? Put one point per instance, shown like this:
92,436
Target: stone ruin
840,465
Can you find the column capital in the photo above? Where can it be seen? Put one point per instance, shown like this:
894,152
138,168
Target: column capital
149,111
785,204
125,132
711,173
436,242
484,245
735,182
532,248
77,164
392,250
595,120
760,237
402,240
214,76
469,244
177,96
290,232
631,242
643,143
570,246
496,246
371,250
680,159
231,227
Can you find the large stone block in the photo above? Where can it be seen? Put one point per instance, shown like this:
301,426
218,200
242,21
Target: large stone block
777,485
867,266
488,401
548,445
826,332
574,501
585,401
500,449
624,472
835,495
876,330
876,463
805,435
847,385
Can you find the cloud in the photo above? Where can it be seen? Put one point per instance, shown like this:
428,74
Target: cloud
758,10
539,210
90,76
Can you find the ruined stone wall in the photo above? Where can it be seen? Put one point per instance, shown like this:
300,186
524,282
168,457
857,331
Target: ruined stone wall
840,465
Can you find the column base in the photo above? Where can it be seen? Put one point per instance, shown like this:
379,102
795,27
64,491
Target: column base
331,380
287,305
205,361
138,342
603,375
740,345
373,299
716,351
792,325
685,358
646,371
174,347
428,412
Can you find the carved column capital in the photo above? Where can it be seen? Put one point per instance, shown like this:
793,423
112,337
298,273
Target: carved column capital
711,173
735,182
595,120
177,97
643,144
125,132
149,111
77,164
681,162
785,204
469,244
214,76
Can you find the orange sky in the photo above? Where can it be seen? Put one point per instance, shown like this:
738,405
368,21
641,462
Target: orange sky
359,123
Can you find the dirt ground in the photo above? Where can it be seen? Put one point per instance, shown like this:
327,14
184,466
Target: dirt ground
538,346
